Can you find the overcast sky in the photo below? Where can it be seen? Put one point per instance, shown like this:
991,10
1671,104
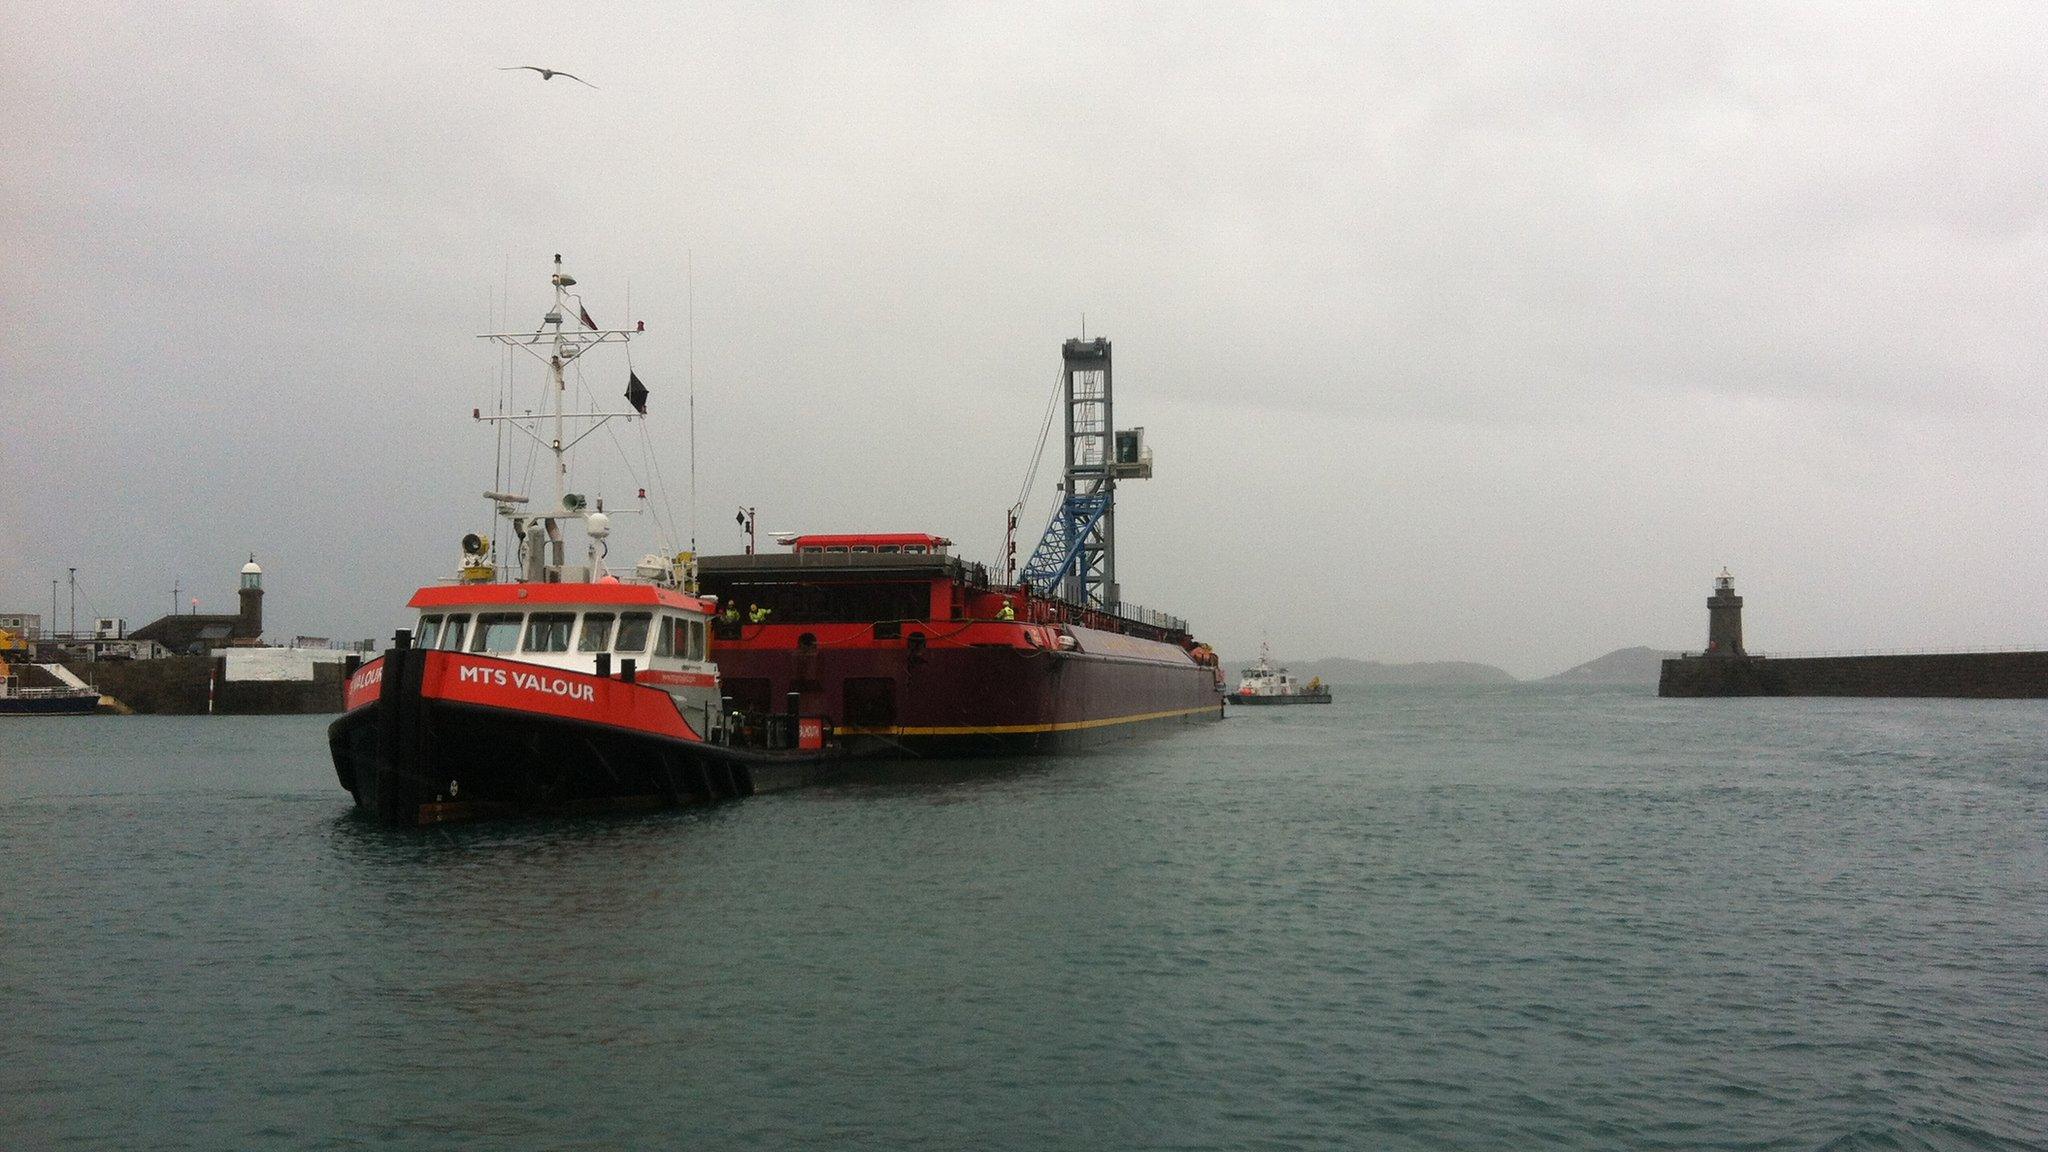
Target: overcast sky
1483,332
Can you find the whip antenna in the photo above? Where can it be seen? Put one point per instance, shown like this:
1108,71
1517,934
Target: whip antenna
690,295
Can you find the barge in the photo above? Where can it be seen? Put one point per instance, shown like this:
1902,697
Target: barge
905,649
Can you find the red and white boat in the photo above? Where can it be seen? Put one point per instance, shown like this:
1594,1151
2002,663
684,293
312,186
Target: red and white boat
558,684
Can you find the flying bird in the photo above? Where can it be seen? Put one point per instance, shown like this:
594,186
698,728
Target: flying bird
547,73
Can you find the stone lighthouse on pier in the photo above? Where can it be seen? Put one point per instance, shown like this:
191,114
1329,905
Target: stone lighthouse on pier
250,622
1724,618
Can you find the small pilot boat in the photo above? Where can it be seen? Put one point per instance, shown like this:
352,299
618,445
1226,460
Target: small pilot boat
1266,683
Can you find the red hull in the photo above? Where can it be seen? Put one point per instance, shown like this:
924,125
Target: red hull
906,650
980,699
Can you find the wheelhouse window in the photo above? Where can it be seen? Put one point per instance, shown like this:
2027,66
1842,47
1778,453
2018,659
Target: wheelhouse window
681,637
863,548
453,631
430,631
914,549
549,631
839,548
633,632
496,632
597,632
885,548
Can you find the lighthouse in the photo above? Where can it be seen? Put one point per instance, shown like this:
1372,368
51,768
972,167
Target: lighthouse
1724,618
250,622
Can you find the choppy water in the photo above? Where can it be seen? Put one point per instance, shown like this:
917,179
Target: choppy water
1508,918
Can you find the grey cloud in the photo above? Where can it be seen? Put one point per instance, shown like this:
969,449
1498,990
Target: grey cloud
1464,331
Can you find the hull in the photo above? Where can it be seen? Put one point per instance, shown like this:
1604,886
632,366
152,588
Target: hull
1292,698
989,700
49,705
433,736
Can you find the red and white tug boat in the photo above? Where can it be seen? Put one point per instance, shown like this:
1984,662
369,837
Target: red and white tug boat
566,685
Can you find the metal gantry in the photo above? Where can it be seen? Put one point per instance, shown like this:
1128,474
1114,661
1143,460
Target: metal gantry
1076,558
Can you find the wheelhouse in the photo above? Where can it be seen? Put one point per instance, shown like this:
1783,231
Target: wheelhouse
579,627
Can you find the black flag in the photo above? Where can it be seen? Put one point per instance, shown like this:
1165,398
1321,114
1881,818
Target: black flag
636,392
741,519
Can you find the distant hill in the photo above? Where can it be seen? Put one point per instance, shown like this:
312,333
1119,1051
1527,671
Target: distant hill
1630,666
1341,670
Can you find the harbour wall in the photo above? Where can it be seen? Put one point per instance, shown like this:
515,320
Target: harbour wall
246,682
172,686
1983,675
320,691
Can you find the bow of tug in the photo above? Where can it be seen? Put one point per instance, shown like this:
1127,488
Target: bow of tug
429,736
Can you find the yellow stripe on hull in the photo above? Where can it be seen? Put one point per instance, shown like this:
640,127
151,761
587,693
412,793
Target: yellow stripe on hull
1023,729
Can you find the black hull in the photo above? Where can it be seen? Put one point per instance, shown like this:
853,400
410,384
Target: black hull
50,706
409,759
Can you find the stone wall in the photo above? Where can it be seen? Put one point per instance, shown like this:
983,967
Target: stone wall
322,693
176,686
1988,675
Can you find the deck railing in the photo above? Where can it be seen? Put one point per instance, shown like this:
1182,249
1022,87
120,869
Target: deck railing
51,693
1126,613
1147,616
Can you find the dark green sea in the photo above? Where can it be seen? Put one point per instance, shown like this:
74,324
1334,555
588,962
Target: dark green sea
1504,918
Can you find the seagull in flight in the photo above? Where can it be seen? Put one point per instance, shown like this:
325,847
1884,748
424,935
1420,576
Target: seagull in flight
547,73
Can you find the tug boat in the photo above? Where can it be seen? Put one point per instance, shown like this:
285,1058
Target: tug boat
1263,683
557,685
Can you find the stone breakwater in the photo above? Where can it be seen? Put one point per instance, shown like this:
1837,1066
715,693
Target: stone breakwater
1984,675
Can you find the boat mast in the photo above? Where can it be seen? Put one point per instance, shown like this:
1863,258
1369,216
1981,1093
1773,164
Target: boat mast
555,344
554,319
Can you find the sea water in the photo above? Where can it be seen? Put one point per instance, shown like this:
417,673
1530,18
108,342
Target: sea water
1493,918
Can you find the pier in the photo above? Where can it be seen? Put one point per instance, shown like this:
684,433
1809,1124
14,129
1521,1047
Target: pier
1726,668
